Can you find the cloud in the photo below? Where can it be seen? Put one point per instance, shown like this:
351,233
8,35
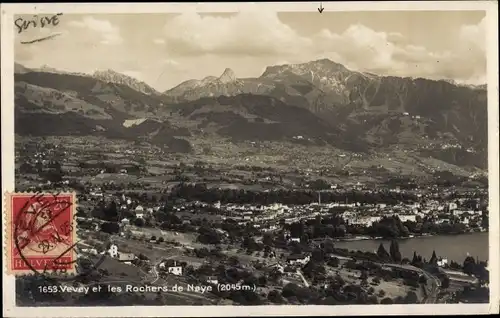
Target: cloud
159,41
110,34
358,46
169,62
474,35
246,33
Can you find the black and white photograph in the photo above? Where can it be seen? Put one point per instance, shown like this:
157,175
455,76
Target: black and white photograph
253,157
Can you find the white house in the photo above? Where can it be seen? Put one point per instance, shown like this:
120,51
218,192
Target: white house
126,258
125,221
96,193
408,217
441,221
365,220
298,259
139,209
172,267
139,215
176,270
113,250
442,262
212,280
92,251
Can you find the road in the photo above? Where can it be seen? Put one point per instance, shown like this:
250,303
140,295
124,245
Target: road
299,272
432,285
155,266
155,273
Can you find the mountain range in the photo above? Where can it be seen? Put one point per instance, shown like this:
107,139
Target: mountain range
318,103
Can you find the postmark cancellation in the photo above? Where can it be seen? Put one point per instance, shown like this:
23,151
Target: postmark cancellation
40,233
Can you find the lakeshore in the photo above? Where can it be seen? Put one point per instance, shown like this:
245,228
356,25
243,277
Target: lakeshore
452,247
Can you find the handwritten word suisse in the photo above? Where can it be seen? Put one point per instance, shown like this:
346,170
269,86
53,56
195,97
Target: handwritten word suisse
36,22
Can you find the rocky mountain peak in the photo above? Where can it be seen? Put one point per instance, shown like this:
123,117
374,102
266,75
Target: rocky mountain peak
328,63
228,76
108,72
112,76
20,69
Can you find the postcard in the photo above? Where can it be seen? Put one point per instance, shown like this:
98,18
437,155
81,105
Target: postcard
250,159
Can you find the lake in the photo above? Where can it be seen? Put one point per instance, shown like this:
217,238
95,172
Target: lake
452,247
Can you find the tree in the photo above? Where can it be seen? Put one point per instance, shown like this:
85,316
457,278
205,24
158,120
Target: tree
411,298
387,301
445,282
290,290
53,176
110,227
267,239
433,259
333,262
110,212
319,184
422,279
469,265
318,255
262,281
274,296
208,235
415,258
139,222
233,261
394,250
382,252
313,269
372,300
26,168
364,275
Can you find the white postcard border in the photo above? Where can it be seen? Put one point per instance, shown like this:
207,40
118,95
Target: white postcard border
7,115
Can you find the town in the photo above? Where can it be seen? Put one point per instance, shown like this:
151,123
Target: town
210,229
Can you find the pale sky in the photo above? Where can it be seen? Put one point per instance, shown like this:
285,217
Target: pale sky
166,49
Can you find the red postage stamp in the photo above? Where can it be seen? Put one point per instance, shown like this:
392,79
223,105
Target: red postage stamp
41,233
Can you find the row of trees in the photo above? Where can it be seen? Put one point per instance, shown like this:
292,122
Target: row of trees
388,227
200,192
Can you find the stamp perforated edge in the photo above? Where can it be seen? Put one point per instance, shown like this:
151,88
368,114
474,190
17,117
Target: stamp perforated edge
7,197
